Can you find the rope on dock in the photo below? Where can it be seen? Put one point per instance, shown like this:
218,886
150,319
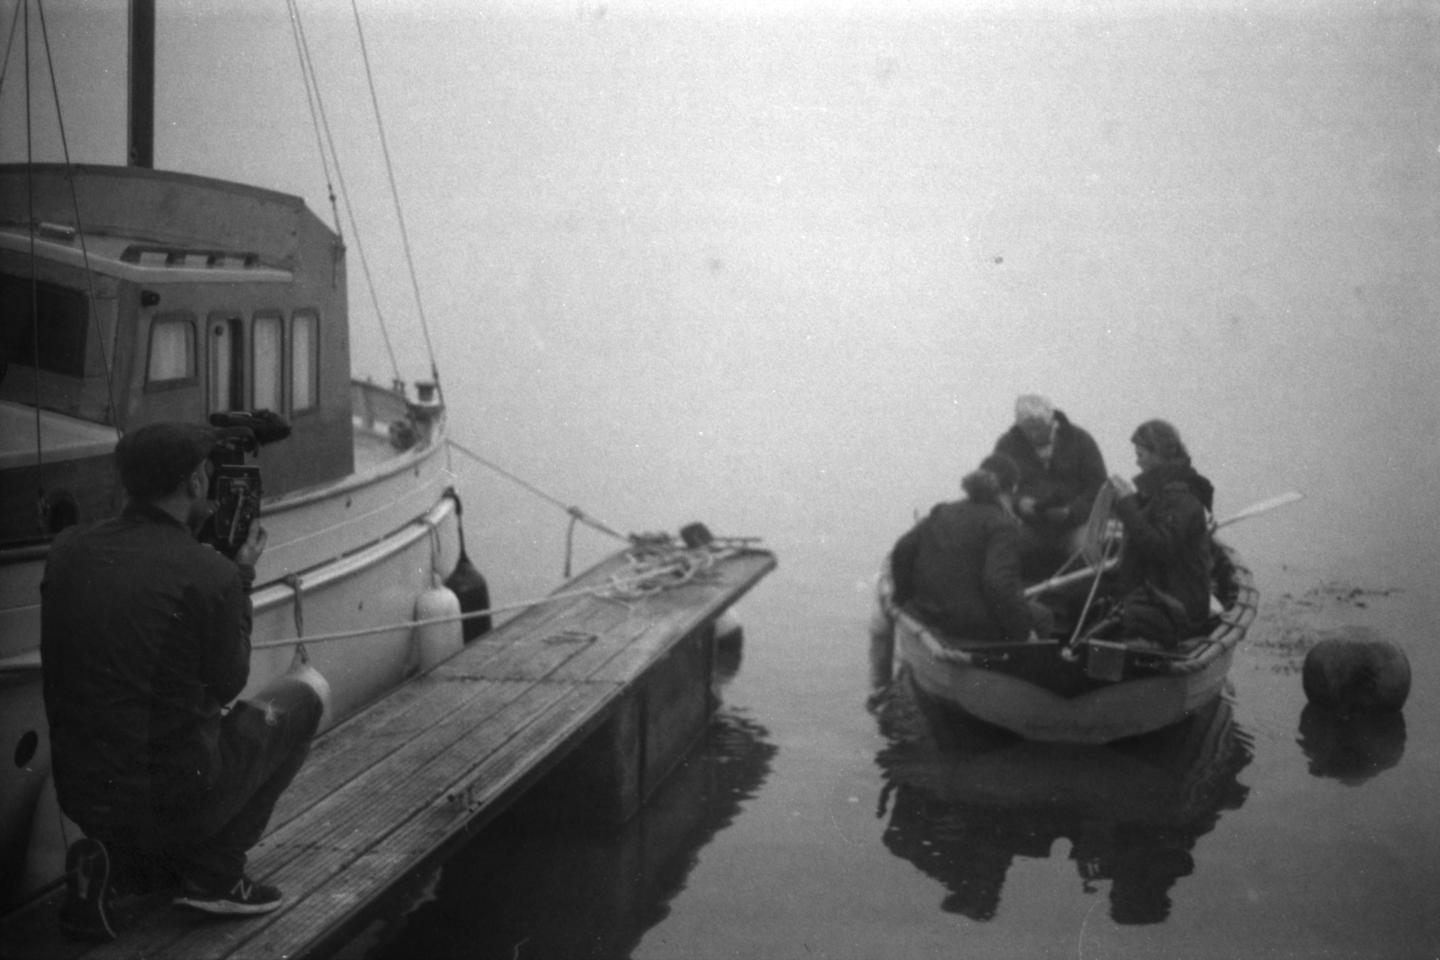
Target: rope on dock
654,568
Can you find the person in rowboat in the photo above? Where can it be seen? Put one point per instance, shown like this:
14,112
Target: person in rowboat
1061,470
145,639
959,568
1164,579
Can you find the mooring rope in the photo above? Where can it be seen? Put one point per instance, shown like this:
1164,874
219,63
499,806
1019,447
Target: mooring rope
576,514
652,570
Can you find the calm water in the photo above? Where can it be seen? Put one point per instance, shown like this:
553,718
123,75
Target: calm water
786,277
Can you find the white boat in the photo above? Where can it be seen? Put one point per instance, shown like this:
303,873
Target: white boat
130,295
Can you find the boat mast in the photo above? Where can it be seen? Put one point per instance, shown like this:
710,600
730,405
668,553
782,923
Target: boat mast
141,151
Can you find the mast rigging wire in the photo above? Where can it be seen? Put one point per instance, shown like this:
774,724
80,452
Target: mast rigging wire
395,196
317,105
80,232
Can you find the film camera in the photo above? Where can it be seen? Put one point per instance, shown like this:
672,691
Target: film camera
235,486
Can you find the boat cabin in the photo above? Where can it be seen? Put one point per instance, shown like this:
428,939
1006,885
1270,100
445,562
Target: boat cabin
142,295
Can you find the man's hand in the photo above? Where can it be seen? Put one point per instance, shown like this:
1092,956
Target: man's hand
254,545
1025,506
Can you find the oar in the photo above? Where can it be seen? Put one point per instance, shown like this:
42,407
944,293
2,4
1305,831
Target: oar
1264,506
1254,510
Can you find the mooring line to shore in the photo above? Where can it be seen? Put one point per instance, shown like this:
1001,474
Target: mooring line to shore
575,512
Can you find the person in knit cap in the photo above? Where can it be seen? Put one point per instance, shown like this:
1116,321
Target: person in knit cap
1061,471
958,569
1164,579
144,647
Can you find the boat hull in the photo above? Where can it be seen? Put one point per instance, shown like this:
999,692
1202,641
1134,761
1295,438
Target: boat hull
1098,693
1101,715
352,560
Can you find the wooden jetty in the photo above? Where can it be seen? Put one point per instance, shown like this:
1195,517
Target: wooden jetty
607,692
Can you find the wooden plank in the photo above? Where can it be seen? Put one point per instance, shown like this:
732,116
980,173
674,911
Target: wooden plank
399,783
474,775
323,839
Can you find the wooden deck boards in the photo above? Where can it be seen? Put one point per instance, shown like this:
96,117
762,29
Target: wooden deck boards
400,782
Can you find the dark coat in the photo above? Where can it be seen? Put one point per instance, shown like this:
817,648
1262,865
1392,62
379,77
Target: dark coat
145,635
1073,477
959,571
1167,537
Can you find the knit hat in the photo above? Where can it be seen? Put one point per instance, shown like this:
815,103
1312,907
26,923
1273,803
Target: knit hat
155,459
1032,406
1161,439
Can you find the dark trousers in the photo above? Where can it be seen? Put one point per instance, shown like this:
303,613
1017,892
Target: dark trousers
1043,551
263,743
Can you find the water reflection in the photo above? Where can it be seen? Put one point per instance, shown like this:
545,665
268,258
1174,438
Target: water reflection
501,895
1351,748
964,801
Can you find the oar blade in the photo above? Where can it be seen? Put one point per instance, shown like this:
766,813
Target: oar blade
1264,506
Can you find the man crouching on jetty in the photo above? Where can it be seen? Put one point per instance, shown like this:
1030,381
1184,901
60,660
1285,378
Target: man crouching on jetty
145,637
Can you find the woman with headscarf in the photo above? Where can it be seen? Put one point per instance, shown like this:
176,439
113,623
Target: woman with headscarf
1164,577
958,569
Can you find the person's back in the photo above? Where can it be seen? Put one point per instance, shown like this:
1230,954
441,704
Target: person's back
966,572
959,568
133,700
145,640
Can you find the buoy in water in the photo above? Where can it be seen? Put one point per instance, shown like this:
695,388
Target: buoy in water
437,642
1356,669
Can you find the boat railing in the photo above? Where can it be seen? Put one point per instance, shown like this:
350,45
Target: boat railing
386,414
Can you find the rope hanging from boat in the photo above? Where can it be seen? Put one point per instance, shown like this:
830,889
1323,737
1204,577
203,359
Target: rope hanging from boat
395,196
654,567
43,503
317,110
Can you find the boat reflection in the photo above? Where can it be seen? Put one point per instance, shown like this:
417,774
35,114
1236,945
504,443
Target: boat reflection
964,801
501,895
1352,748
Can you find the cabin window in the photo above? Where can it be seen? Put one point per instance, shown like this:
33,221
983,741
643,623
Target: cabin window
227,358
267,343
172,352
43,325
304,362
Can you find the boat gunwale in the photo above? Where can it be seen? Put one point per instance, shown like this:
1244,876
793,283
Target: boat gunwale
1233,623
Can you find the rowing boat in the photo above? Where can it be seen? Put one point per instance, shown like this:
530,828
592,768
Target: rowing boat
1095,691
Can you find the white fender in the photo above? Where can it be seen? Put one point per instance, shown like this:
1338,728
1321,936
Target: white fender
301,670
728,627
437,642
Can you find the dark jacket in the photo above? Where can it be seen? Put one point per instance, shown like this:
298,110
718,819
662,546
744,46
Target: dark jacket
1073,477
1167,537
145,635
959,571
